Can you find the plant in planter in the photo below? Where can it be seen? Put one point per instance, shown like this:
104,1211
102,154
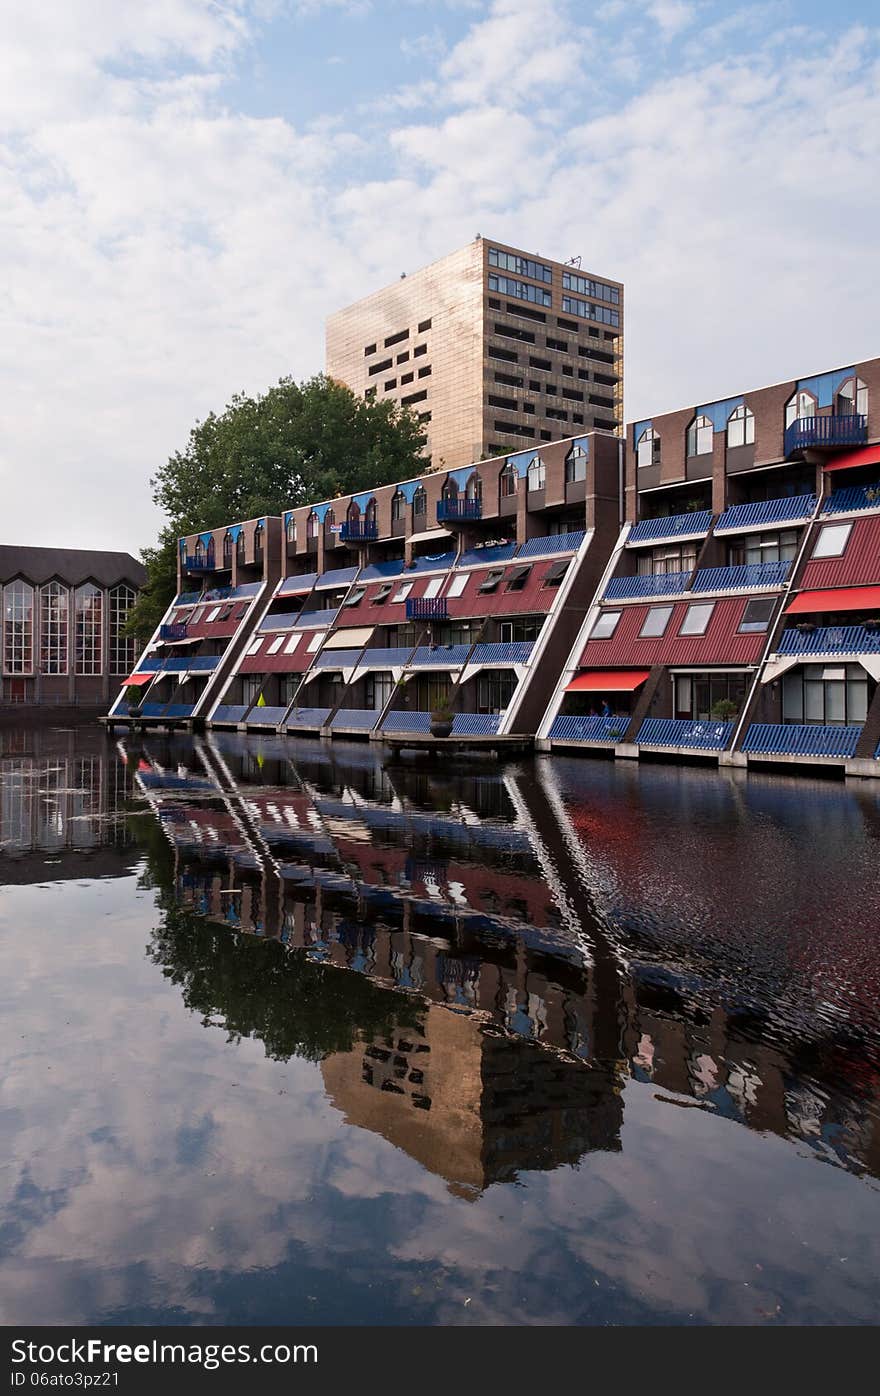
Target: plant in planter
133,699
725,710
441,721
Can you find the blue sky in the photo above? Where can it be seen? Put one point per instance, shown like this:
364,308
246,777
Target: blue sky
188,187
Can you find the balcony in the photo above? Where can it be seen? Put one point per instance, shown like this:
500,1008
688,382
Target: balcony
359,531
175,631
440,656
797,509
664,584
701,735
674,526
198,564
853,498
830,639
789,739
589,729
384,658
512,652
826,432
427,608
741,578
459,510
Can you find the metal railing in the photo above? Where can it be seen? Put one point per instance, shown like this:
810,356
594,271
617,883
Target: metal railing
443,656
742,577
175,631
199,564
829,639
795,509
427,608
512,652
853,498
850,430
663,584
699,734
459,510
359,531
589,729
790,739
673,526
357,719
475,724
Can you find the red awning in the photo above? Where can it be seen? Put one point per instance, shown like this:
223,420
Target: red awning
609,680
835,599
138,679
865,455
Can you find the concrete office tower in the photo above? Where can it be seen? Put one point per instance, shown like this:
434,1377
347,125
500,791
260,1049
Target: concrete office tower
494,349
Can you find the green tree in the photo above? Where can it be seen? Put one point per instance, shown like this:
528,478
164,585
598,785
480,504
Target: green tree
293,444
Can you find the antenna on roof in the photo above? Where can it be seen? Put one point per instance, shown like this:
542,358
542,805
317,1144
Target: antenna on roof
572,262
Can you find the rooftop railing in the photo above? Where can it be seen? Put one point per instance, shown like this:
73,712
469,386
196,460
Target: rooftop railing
674,526
742,577
459,510
427,608
790,739
830,639
805,432
796,509
663,584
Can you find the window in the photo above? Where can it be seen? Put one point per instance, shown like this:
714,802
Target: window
312,525
414,397
832,540
424,325
18,616
89,625
522,290
256,646
695,695
53,630
369,349
572,306
212,615
258,542
370,514
491,580
517,578
419,350
404,379
576,465
380,368
315,642
655,622
449,492
239,548
425,372
403,591
291,645
402,358
511,632
555,573
697,617
523,266
537,474
228,546
433,588
606,625
507,481
741,427
398,506
802,404
199,551
396,338
833,696
474,488
275,645
457,585
355,596
852,397
699,437
765,547
495,688
756,616
378,688
585,287
123,649
382,594
648,448
674,557
420,501
391,383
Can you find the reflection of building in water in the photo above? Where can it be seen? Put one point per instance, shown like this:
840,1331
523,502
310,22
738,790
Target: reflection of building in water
462,889
59,795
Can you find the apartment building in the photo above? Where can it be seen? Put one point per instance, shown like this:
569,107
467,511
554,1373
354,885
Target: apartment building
495,349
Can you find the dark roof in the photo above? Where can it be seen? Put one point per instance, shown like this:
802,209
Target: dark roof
71,565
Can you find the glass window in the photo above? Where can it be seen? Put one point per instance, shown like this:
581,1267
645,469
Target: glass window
518,578
757,615
572,305
291,530
741,427
852,397
585,287
54,629
523,266
311,526
291,645
18,613
830,696
700,436
801,405
765,547
89,622
355,596
403,591
832,540
697,618
275,645
659,562
537,474
256,646
655,622
398,506
433,588
382,593
491,580
212,615
605,626
576,465
457,585
315,642
521,290
123,650
507,481
648,448
420,501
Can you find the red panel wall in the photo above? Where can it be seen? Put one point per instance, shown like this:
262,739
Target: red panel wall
860,563
720,645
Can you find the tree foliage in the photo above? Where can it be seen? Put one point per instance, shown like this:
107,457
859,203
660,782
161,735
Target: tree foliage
293,444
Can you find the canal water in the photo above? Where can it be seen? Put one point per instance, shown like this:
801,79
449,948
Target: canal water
303,1033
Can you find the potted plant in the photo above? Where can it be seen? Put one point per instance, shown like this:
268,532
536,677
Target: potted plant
441,721
133,699
725,710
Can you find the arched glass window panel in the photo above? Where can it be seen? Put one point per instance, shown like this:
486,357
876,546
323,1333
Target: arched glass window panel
312,525
18,628
258,540
648,448
290,528
370,512
240,544
507,481
54,600
199,551
88,629
741,427
398,506
474,487
420,501
450,489
699,437
576,465
802,404
852,398
353,512
329,520
537,474
227,549
123,652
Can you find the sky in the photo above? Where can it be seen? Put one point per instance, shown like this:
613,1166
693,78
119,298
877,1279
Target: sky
189,187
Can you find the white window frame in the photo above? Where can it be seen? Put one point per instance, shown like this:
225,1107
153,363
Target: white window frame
658,611
432,589
213,614
256,646
830,535
607,617
697,609
403,591
276,644
292,642
316,641
457,585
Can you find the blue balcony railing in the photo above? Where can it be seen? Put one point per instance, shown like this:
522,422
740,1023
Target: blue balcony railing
702,735
355,719
337,659
199,564
307,717
851,430
475,724
675,526
789,739
796,509
229,712
441,656
589,729
853,498
384,658
742,578
407,722
427,608
459,510
175,631
359,531
664,584
514,652
830,639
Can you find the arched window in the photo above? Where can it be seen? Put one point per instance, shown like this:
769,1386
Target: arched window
18,628
122,649
370,514
699,437
398,506
420,501
290,528
227,549
53,628
450,490
648,448
312,525
802,404
537,474
199,551
88,629
240,553
507,481
258,543
576,465
474,487
329,520
209,552
852,398
353,513
741,427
